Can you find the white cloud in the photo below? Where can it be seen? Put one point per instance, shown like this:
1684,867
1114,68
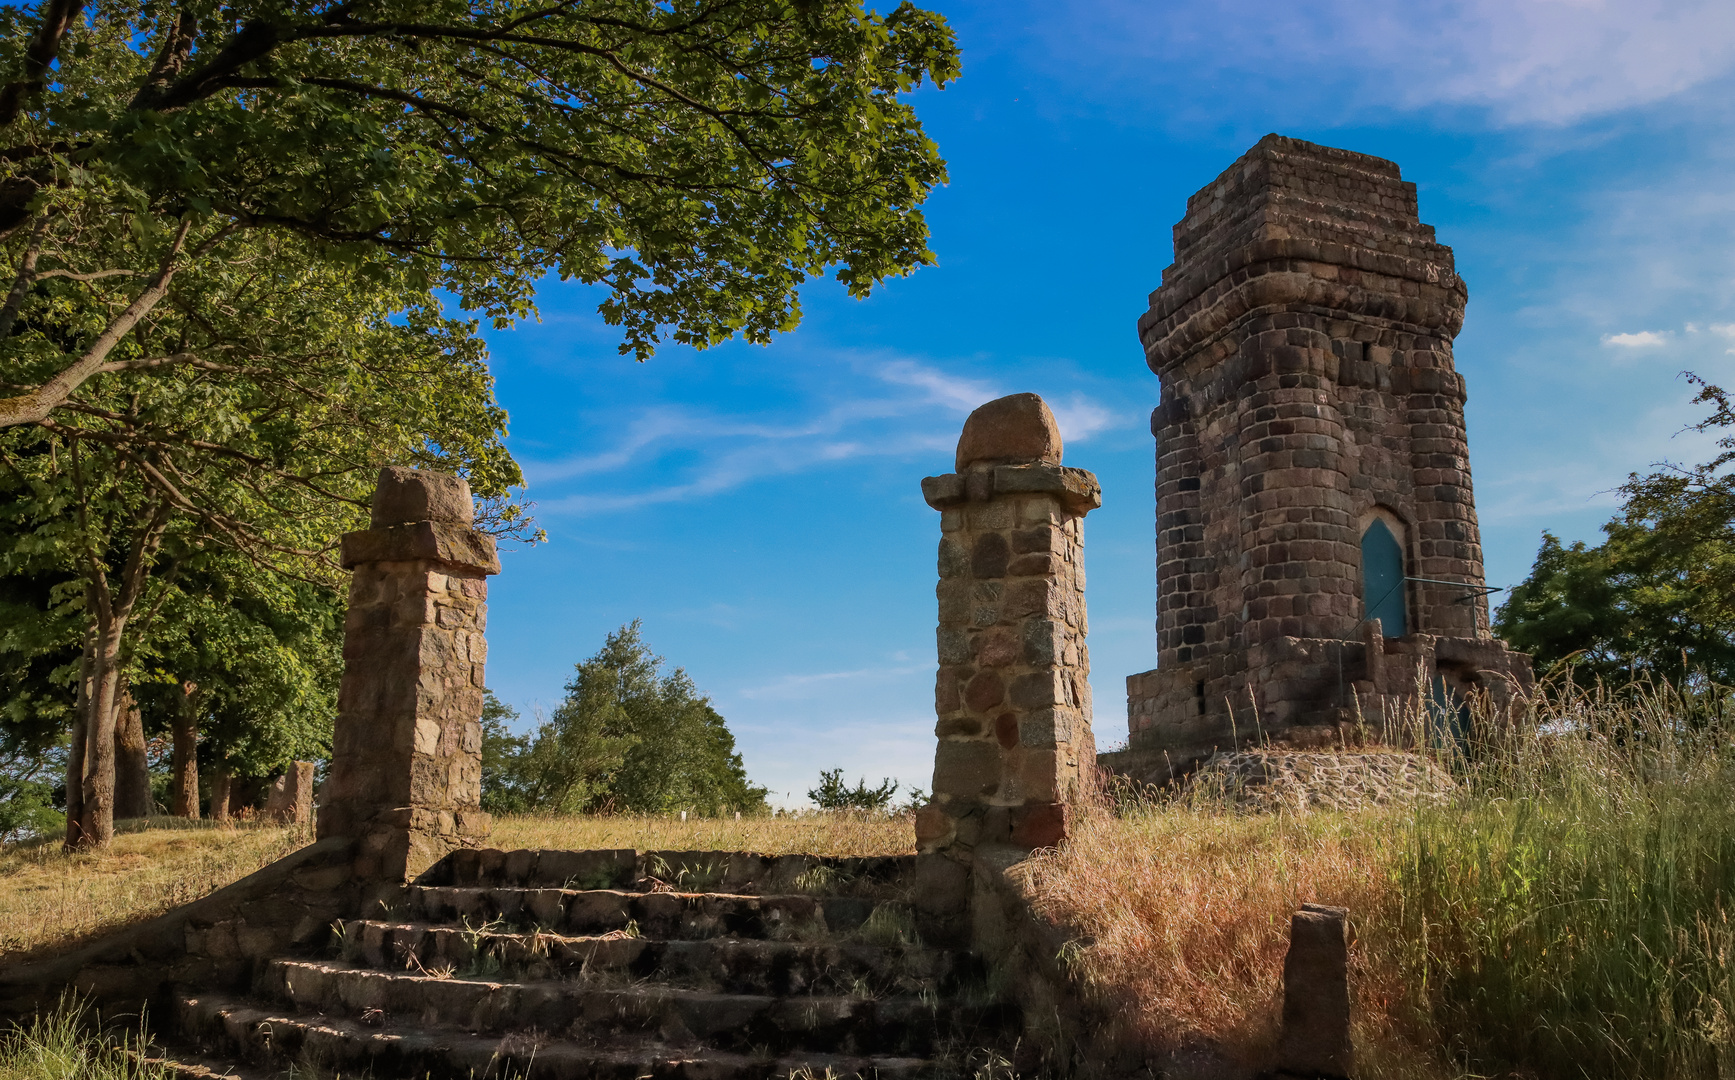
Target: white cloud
678,453
1643,339
1080,418
818,683
1526,61
959,395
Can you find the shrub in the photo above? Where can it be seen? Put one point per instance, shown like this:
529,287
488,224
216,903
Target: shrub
833,794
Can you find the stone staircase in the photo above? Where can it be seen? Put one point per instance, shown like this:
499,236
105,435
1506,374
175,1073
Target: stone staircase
621,964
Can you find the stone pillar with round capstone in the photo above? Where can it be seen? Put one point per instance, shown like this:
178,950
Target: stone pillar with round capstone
406,769
1012,694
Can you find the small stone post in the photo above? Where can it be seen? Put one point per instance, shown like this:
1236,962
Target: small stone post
1314,1042
1013,693
406,769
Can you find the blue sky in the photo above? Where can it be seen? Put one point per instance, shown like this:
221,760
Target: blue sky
759,507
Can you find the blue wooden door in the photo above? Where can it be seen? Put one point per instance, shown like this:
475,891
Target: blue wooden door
1382,579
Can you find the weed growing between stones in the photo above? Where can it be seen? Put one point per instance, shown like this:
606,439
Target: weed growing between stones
62,1044
889,924
1566,913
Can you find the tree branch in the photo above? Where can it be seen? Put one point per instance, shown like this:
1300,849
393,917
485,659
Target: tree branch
33,407
69,275
177,47
57,16
26,274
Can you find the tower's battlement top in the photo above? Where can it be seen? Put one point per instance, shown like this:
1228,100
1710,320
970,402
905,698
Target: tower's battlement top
1294,209
1285,189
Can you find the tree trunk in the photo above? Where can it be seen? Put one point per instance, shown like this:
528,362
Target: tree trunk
220,794
132,767
96,821
112,610
75,753
185,763
75,786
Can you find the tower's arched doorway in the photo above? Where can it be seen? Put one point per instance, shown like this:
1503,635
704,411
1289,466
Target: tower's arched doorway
1382,578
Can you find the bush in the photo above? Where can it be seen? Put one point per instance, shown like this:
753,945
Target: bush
832,794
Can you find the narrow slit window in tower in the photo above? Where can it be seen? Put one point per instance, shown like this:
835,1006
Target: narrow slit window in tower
1382,578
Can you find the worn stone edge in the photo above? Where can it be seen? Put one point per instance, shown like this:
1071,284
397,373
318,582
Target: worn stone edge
433,541
1078,488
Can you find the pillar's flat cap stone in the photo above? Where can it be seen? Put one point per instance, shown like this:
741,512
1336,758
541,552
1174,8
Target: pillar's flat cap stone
422,541
408,495
1013,429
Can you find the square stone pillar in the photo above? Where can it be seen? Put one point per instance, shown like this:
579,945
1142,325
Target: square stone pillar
1012,694
406,768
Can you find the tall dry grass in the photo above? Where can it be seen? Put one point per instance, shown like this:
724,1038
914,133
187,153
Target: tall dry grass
1568,915
50,900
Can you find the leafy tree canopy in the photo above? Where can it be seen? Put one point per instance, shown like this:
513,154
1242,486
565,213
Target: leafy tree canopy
698,160
628,738
1657,597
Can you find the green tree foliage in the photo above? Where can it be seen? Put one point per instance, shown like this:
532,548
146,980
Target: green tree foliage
231,232
628,738
833,794
697,160
1656,598
268,459
263,654
502,749
27,780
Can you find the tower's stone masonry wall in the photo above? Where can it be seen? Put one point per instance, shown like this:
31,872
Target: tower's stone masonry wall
1303,339
1012,692
406,776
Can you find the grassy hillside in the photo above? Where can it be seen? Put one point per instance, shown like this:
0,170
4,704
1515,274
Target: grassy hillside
50,900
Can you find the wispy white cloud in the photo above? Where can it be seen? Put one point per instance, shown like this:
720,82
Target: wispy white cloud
1079,418
1642,339
897,408
1525,61
950,391
818,683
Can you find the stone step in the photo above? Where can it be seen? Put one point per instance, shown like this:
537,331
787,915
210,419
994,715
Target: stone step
611,1016
687,871
668,915
383,1047
182,1061
733,965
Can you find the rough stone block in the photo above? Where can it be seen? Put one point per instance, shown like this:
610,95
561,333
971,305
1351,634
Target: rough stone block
1315,1041
1018,427
404,495
966,770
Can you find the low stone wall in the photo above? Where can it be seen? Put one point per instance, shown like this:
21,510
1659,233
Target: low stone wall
221,941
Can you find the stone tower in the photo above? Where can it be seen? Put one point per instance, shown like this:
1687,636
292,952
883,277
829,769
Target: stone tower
1317,546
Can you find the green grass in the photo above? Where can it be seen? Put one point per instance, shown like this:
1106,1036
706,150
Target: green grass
1571,914
59,1046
